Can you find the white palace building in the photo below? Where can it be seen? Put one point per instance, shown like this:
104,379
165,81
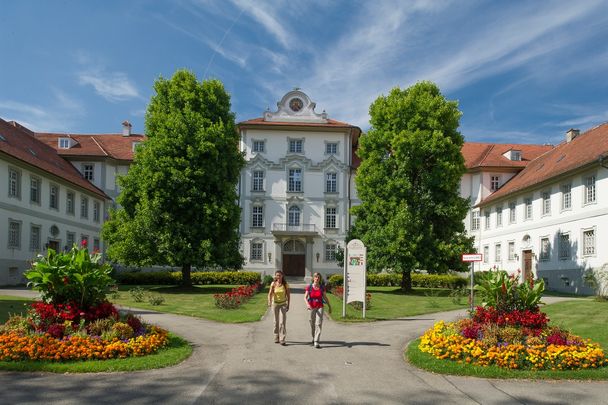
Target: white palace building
539,209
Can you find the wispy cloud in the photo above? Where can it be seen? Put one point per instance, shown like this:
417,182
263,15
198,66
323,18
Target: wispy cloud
113,86
59,114
264,16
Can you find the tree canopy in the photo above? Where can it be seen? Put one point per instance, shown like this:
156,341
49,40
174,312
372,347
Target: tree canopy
411,213
178,204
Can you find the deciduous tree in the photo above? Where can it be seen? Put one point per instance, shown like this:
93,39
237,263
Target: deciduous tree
178,201
411,213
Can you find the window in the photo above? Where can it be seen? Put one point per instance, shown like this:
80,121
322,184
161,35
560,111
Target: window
528,208
498,216
96,208
69,203
35,238
96,245
486,254
486,214
331,182
295,180
84,207
14,235
475,221
589,242
257,249
70,240
564,246
87,172
545,249
14,183
590,189
54,197
135,145
295,146
35,190
330,217
566,196
331,148
64,143
494,183
511,250
497,252
294,216
512,212
257,216
330,252
258,146
546,203
258,180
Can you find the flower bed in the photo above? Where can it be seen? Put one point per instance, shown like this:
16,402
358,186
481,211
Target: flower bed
15,346
510,331
236,297
445,341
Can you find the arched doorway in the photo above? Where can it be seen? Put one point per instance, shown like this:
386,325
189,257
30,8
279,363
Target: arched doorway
294,257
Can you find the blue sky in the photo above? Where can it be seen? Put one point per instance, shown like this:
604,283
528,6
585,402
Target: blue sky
522,71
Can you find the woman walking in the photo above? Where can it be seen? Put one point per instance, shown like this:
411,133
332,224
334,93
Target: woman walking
315,297
279,296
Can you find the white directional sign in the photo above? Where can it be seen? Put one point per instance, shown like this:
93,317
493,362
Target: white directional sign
472,257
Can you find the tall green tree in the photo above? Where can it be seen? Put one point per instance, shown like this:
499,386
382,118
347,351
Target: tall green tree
411,213
178,204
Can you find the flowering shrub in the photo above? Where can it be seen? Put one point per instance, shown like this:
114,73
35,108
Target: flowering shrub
235,297
70,277
547,352
534,319
42,315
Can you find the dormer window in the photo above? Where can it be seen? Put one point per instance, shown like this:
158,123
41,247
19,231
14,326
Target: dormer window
65,143
135,145
513,154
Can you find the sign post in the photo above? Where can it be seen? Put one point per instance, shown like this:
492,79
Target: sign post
355,259
472,258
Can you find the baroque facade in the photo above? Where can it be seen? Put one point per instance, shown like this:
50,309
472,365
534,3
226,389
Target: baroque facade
296,189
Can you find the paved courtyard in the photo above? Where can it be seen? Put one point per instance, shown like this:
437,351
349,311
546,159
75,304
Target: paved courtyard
240,364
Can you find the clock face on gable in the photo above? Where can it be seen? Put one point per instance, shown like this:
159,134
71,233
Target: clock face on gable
296,104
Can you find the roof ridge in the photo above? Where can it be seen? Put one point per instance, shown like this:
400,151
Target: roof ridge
100,147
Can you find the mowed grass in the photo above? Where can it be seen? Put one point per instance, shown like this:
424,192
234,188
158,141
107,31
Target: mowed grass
197,301
586,318
391,303
10,305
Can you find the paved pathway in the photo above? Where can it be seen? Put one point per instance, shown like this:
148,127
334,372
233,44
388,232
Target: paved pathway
240,364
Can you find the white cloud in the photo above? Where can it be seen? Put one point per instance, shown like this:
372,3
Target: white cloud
262,15
114,86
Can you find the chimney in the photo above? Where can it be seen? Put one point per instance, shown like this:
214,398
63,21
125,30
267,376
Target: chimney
571,134
126,128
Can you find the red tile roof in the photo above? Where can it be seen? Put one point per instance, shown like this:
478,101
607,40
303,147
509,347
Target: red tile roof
583,150
477,155
114,146
19,143
329,124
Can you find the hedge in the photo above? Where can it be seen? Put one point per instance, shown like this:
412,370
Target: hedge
198,278
418,280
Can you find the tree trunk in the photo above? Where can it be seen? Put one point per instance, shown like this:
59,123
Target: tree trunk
186,279
406,281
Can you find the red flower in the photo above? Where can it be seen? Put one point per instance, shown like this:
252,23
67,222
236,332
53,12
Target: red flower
83,243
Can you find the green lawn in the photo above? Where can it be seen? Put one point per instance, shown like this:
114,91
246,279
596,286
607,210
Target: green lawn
586,318
10,305
391,303
197,301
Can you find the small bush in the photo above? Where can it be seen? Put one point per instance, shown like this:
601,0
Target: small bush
267,280
138,294
100,326
122,330
155,299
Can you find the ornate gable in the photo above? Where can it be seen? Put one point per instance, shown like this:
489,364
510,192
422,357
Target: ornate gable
295,106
